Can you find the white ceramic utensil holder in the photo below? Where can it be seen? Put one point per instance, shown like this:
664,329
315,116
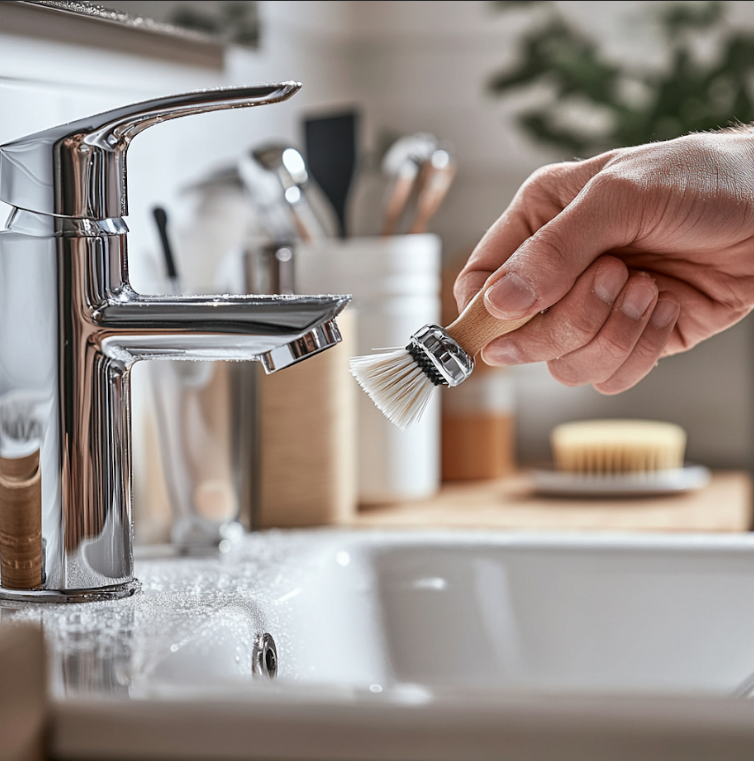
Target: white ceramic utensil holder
395,284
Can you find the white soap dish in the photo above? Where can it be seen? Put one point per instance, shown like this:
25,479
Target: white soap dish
675,480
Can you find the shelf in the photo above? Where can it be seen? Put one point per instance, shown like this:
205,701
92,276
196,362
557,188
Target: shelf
725,505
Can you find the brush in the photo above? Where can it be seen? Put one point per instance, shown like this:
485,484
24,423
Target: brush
614,447
401,381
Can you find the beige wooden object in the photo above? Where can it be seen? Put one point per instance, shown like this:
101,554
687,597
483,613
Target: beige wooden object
308,439
21,522
476,327
478,439
434,184
477,445
398,199
23,691
725,505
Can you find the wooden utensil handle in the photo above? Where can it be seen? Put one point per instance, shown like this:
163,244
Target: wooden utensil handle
476,327
397,202
21,522
437,184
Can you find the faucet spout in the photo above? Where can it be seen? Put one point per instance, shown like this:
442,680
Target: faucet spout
275,330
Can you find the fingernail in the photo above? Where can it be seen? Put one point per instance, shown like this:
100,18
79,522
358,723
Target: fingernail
638,297
511,296
608,283
502,354
664,313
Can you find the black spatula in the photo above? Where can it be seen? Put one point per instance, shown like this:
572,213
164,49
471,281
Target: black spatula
332,155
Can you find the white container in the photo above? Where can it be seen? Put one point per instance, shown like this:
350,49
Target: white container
395,284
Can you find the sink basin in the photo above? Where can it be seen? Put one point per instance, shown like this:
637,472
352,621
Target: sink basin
415,645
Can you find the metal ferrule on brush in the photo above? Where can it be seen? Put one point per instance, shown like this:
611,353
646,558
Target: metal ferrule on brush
442,359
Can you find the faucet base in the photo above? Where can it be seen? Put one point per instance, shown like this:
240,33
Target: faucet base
96,594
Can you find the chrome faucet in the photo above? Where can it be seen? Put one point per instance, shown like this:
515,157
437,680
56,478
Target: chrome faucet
71,328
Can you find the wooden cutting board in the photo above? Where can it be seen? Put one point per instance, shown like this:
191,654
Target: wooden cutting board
725,505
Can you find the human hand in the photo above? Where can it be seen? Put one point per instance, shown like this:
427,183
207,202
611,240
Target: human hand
635,254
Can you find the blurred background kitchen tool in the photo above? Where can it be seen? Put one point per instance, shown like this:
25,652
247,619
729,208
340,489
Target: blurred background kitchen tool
288,211
161,220
195,374
332,153
288,165
433,183
193,433
401,164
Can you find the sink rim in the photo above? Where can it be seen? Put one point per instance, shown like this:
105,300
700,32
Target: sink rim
446,728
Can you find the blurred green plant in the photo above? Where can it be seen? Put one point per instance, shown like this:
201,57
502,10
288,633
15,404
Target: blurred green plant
635,104
235,22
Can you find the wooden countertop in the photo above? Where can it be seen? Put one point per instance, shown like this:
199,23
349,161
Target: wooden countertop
724,505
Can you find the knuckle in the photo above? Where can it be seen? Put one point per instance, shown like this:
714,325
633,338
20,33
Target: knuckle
579,330
466,285
545,182
459,291
614,183
640,362
567,373
596,363
544,175
553,253
612,386
615,349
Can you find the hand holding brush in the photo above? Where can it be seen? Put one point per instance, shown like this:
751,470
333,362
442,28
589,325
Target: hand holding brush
638,253
401,381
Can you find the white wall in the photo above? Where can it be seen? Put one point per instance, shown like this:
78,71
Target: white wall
411,66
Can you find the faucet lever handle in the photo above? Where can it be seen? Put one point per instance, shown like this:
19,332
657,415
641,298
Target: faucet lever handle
79,169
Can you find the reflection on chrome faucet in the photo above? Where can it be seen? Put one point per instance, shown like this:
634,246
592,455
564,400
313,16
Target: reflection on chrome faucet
71,328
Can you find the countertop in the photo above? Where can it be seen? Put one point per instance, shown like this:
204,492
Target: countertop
724,505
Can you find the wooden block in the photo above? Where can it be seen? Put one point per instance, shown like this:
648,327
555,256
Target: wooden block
21,522
308,449
725,505
23,698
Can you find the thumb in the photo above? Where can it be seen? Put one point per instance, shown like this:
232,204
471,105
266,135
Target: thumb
544,268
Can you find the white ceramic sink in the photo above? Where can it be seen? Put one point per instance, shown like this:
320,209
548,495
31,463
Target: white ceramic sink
423,645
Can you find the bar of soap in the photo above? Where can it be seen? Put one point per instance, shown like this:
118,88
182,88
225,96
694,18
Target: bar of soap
617,446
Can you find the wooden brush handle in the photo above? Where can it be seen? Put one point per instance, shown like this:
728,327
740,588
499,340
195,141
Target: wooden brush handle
476,327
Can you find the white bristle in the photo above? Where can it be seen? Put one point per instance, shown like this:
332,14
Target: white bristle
395,383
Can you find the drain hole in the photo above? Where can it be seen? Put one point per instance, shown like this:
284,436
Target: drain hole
271,661
265,657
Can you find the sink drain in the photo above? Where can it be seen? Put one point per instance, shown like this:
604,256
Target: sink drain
265,658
